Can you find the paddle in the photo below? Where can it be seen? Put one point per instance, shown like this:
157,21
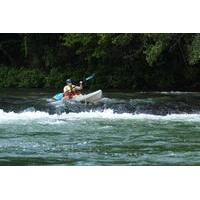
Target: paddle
90,77
59,96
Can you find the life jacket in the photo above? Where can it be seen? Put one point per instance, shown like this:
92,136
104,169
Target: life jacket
69,91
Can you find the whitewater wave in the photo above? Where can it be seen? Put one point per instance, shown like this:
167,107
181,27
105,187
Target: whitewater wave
39,116
171,92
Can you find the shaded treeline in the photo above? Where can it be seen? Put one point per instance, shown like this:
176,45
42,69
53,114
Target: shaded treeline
120,61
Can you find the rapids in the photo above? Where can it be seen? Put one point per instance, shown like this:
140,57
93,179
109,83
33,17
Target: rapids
159,128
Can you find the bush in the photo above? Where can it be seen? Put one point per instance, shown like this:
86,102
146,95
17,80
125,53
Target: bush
55,79
3,76
30,78
20,77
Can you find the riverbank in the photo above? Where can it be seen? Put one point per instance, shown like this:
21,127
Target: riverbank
20,77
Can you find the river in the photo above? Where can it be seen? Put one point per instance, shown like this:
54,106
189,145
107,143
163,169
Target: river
158,128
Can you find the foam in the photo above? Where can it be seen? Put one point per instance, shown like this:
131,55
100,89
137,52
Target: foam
9,117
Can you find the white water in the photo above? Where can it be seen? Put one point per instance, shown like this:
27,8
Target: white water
10,117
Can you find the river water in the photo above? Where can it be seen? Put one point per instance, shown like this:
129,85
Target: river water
159,128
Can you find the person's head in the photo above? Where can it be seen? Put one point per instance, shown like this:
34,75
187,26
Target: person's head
69,82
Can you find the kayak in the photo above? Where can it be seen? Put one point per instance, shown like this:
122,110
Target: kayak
88,98
83,98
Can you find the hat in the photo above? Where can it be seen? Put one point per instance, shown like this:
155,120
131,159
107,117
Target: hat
68,81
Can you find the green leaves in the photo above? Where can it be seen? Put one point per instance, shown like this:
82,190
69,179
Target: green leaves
72,39
55,79
30,78
146,61
155,44
122,39
21,77
194,50
153,52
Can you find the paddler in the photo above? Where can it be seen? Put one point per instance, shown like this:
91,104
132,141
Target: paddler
71,90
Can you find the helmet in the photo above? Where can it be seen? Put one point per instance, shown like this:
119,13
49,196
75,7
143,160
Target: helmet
68,81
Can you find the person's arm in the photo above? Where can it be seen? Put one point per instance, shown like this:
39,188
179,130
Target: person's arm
64,89
79,87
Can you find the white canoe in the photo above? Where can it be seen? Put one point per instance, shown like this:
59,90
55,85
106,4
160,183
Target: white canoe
89,98
86,98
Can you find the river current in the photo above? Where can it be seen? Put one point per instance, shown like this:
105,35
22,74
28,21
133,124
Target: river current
158,128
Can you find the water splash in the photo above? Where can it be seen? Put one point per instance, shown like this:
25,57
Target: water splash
9,117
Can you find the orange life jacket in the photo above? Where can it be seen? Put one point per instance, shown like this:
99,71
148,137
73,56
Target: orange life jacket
70,92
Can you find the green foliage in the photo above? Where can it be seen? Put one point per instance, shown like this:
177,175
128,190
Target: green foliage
153,51
30,78
155,45
72,39
3,77
21,77
120,60
55,79
122,39
194,50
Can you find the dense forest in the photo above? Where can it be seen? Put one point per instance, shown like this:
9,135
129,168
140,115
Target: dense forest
137,62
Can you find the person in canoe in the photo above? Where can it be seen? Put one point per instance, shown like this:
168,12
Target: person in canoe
71,90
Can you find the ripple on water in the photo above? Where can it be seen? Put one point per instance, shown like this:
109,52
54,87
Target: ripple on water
102,137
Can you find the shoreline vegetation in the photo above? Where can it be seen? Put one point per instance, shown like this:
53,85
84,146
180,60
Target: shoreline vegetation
134,62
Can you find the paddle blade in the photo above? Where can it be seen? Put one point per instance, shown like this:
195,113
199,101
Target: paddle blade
90,77
58,96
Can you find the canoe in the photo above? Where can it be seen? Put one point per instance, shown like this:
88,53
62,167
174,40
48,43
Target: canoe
88,98
85,98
